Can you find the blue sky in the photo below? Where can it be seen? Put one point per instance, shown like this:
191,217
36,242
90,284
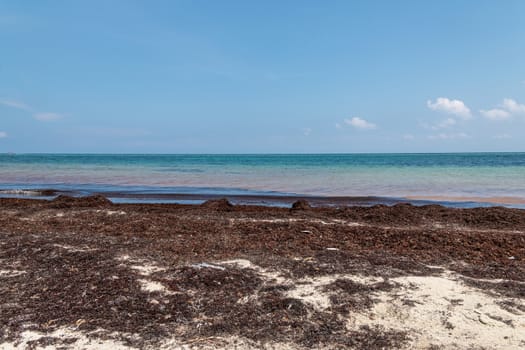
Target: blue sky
262,76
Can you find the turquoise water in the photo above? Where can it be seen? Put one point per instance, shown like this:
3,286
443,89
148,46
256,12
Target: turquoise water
384,175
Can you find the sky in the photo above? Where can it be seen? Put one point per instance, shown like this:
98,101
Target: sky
262,76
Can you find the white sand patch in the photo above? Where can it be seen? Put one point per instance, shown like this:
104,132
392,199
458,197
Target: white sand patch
111,212
73,249
147,269
208,266
81,341
124,257
142,266
242,263
11,273
94,341
153,286
308,221
434,310
309,290
443,311
265,274
228,343
269,277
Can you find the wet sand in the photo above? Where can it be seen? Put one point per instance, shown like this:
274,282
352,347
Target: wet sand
491,200
89,274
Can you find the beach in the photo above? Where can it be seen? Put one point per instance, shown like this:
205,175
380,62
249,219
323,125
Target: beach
85,273
274,175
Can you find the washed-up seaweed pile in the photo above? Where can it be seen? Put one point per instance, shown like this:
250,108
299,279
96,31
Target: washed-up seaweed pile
81,263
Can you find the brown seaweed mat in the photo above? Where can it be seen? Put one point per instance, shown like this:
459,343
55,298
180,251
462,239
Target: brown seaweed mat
218,275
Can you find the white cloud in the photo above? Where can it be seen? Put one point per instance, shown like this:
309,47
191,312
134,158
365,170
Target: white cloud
502,136
3,134
408,137
42,116
444,124
505,111
110,132
512,106
453,136
496,114
338,126
455,107
307,131
16,104
360,123
47,117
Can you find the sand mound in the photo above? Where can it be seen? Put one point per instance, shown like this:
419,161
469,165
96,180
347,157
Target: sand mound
218,204
301,205
95,201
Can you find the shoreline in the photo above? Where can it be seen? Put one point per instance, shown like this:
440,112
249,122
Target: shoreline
197,196
81,273
507,200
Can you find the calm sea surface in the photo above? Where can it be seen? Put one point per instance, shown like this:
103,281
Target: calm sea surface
447,176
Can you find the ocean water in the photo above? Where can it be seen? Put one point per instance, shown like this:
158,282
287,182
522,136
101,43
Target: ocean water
450,178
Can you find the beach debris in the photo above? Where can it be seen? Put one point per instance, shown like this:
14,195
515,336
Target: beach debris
306,231
332,249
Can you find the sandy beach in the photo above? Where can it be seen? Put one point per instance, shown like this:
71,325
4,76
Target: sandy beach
275,175
88,274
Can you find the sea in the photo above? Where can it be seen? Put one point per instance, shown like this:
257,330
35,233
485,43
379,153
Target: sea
451,179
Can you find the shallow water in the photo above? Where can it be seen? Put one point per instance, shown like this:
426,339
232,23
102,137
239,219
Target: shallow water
467,177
